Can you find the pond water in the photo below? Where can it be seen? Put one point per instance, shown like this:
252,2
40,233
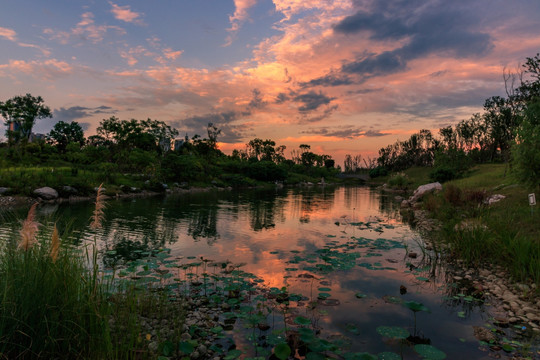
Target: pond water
342,247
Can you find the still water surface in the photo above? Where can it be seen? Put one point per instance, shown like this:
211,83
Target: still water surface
278,234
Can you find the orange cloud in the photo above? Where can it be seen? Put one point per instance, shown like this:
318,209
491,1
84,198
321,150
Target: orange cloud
240,15
8,34
124,13
47,70
85,29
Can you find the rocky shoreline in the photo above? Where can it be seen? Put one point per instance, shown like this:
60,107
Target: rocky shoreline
514,304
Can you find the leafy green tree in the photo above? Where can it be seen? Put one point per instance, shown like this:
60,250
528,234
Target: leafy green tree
149,135
64,133
20,114
526,151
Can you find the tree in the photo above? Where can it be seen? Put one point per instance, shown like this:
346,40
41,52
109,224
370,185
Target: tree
149,135
526,151
64,133
20,114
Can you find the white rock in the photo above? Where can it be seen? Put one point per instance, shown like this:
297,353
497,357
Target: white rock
494,198
46,193
424,189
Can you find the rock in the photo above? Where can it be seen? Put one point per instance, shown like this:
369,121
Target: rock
483,334
494,198
202,349
532,317
46,193
398,198
413,255
405,204
4,190
153,346
69,190
425,189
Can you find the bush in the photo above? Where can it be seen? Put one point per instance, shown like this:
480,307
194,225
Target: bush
452,194
378,171
399,181
450,164
443,174
176,167
266,171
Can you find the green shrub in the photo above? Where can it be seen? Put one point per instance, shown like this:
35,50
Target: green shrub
378,171
399,181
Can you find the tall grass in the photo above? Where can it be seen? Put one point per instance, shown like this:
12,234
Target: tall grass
56,303
50,305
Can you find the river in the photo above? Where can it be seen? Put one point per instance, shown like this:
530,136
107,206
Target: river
343,247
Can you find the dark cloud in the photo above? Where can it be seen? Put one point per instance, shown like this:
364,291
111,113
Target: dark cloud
326,114
312,101
331,79
385,63
364,91
256,100
197,125
447,28
345,132
281,98
79,112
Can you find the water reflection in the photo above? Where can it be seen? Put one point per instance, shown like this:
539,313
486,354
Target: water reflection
283,235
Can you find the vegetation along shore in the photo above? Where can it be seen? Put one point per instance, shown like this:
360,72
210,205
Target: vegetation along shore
479,215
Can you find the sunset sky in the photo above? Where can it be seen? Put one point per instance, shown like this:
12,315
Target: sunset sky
345,76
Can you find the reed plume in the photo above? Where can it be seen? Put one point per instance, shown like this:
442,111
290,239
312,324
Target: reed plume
29,230
97,216
55,244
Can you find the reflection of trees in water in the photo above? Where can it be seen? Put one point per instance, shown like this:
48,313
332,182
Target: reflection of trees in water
265,208
135,225
314,199
389,206
203,224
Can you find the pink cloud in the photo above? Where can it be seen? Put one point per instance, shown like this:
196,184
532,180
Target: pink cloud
86,29
8,34
240,15
171,54
46,70
124,13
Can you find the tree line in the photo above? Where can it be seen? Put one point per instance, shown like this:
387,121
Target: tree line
151,148
508,130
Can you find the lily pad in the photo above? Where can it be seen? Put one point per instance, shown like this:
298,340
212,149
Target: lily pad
300,320
416,306
429,352
388,356
282,351
394,332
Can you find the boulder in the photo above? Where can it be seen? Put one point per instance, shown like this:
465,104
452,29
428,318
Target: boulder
46,193
494,198
425,189
4,190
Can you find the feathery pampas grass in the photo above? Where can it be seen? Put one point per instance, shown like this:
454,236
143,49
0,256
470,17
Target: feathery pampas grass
55,244
29,230
97,216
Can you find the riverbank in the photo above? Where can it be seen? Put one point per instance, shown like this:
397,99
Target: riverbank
484,228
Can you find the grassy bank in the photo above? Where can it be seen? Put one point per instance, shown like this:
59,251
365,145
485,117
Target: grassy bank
504,233
56,303
67,180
